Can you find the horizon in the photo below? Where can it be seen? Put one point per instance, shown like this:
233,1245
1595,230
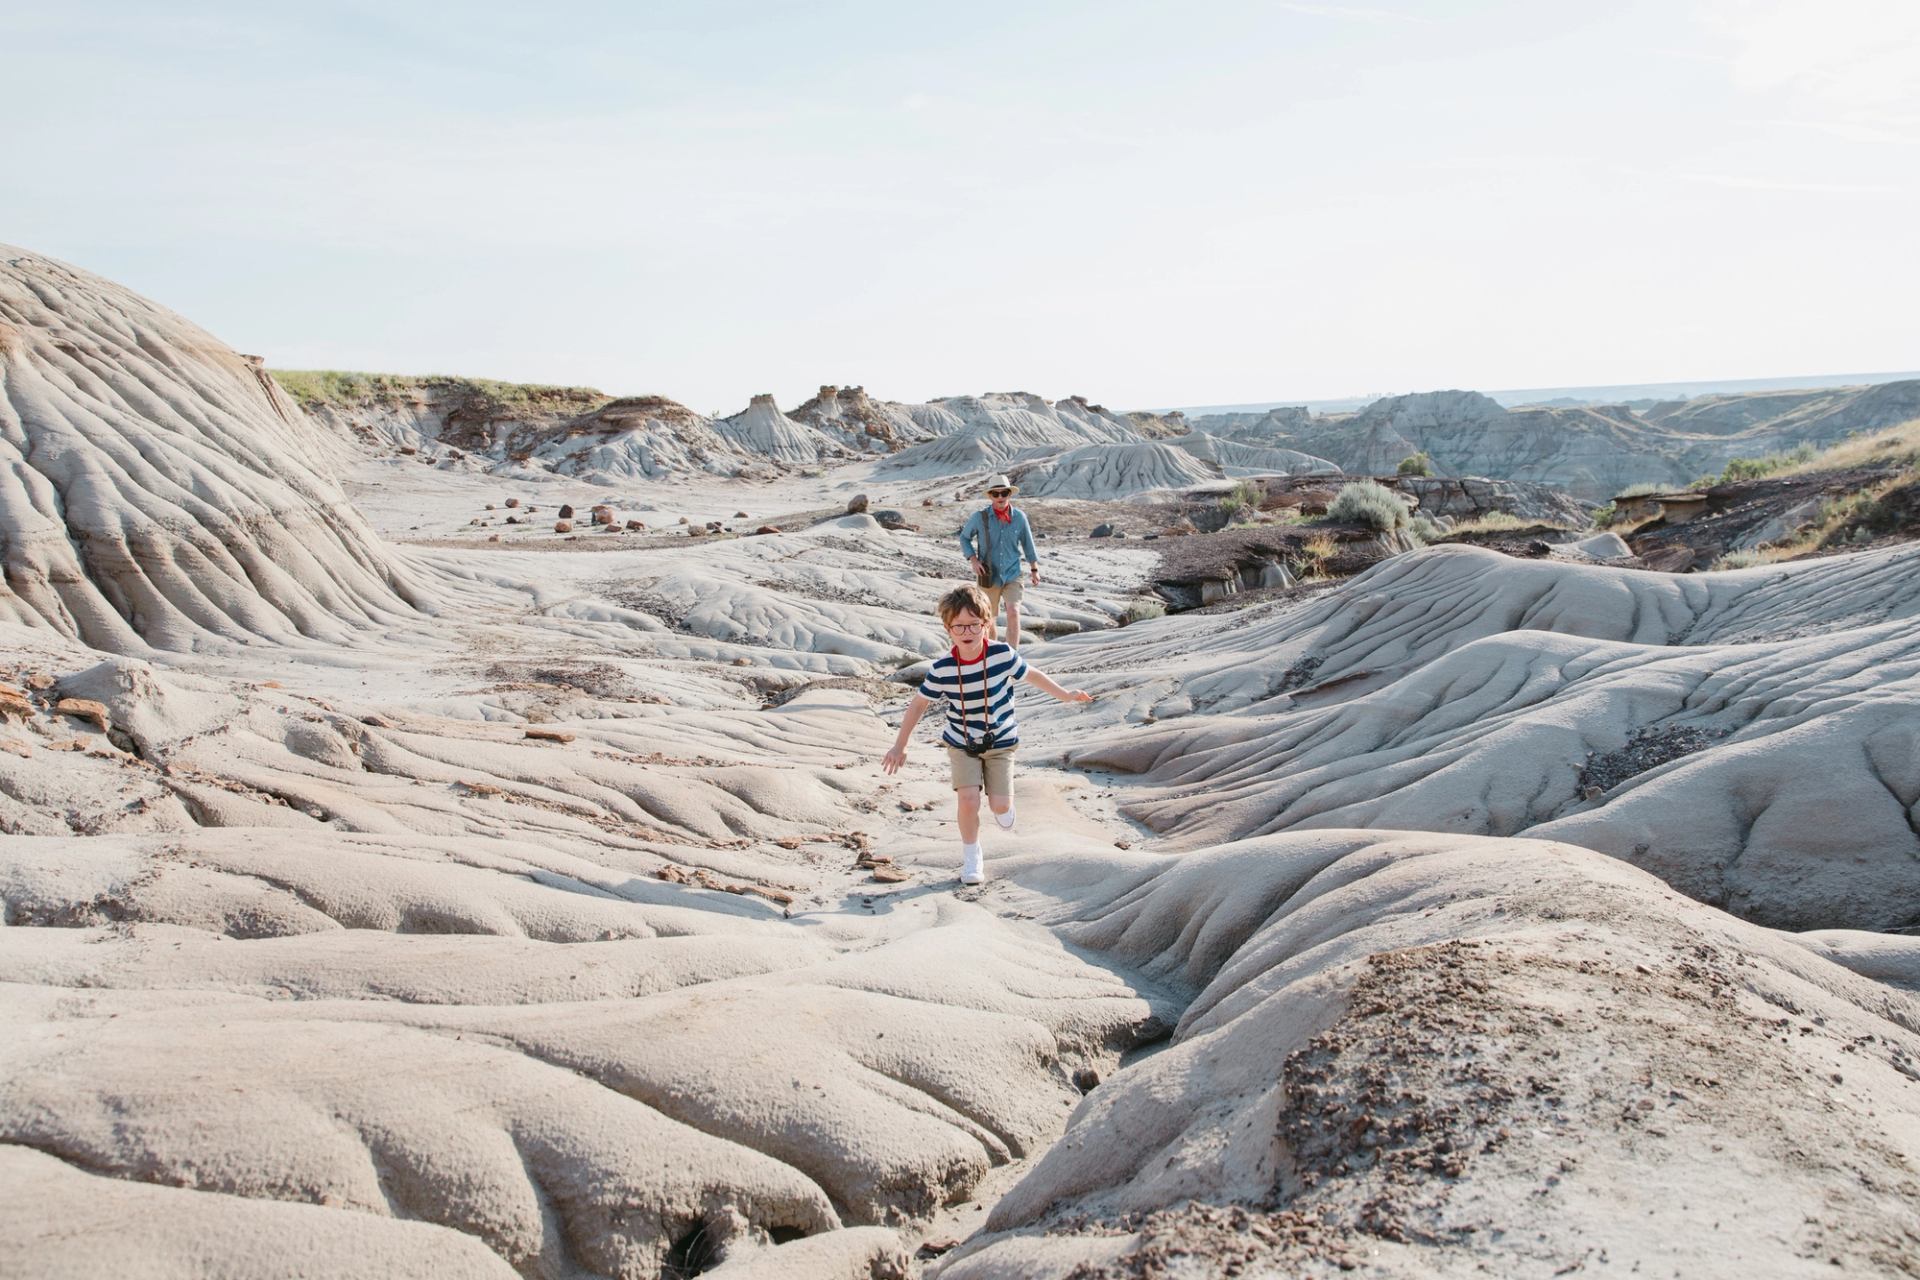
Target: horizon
1198,211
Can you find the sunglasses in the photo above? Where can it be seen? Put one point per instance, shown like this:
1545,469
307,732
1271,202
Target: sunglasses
999,493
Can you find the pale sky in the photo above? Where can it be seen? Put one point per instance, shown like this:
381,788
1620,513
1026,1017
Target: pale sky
1145,203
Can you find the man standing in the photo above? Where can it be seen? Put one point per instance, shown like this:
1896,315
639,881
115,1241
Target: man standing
992,540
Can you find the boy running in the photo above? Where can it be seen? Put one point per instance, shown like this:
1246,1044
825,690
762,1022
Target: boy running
975,679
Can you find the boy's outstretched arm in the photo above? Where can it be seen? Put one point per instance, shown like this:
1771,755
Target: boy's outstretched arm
897,754
1045,683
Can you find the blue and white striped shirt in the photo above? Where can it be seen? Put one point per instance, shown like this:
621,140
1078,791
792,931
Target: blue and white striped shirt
986,703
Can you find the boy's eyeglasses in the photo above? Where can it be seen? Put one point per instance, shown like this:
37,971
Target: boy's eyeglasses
999,493
967,627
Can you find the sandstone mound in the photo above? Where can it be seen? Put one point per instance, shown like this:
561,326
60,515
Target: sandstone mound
763,431
159,489
1108,471
1237,458
1435,1055
999,429
1424,694
858,421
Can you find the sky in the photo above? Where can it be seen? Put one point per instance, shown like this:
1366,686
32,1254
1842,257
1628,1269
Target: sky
1149,204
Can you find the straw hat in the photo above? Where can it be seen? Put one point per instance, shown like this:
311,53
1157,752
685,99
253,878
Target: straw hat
1001,482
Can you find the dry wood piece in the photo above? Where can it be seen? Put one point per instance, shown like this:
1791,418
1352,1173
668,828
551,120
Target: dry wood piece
539,734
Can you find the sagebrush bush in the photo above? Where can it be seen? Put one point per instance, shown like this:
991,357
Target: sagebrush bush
1364,502
1416,464
1141,610
1423,530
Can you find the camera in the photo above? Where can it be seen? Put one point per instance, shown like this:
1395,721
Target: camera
980,748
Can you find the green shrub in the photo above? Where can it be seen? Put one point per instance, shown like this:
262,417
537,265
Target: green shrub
1423,530
1605,515
1243,499
1364,502
1738,560
1418,464
1141,610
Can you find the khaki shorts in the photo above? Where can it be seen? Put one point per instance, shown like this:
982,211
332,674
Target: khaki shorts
992,770
1008,591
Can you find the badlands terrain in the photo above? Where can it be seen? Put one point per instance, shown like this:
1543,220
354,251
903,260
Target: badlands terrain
390,889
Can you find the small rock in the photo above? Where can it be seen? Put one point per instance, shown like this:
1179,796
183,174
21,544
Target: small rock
15,747
83,709
408,449
926,502
856,504
888,518
634,526
1086,1079
695,531
739,515
768,528
603,515
563,526
40,680
889,874
493,537
747,662
14,704
489,506
1101,531
674,875
684,520
513,502
539,734
566,511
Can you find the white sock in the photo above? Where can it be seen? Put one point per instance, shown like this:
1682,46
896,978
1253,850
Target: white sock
970,850
1005,819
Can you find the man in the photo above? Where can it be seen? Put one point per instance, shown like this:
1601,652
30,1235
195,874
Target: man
992,541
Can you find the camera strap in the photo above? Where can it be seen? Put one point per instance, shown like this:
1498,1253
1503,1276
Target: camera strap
986,703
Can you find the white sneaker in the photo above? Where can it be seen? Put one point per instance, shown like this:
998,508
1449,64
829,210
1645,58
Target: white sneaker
973,866
1005,819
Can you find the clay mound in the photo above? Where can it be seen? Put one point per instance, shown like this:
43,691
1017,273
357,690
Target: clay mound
762,430
1424,694
849,415
1237,458
1435,1055
159,489
1107,471
998,429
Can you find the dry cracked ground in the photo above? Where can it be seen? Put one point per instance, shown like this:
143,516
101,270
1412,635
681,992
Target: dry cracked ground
380,910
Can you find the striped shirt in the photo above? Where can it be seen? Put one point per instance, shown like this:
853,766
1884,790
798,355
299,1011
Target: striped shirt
991,703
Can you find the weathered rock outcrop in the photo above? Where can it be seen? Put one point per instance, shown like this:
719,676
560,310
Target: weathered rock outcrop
157,488
762,430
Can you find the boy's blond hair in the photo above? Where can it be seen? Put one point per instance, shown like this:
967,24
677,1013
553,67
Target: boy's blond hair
967,599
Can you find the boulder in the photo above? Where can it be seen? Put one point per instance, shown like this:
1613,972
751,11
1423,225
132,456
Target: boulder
513,502
84,709
563,526
891,519
566,511
603,515
856,504
1101,531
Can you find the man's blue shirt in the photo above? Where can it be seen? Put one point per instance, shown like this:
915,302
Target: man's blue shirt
1007,541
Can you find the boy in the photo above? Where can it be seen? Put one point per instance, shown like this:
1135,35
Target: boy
975,679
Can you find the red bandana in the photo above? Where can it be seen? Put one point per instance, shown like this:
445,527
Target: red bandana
1005,517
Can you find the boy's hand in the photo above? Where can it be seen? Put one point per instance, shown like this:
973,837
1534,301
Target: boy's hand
1078,695
978,566
891,762
1036,575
